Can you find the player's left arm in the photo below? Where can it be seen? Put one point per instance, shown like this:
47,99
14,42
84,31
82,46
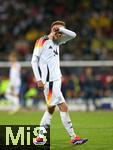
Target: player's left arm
66,35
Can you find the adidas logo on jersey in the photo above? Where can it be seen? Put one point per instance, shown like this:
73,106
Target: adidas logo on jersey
50,47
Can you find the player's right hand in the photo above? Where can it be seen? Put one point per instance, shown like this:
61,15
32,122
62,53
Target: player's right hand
40,84
55,29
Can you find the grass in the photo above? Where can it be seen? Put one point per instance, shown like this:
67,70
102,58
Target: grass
96,126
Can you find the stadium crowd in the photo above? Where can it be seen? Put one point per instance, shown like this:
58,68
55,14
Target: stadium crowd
23,21
86,84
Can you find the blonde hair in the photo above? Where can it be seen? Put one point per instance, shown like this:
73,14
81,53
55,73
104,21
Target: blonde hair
58,22
13,54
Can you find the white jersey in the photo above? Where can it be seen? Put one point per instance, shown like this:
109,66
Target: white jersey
14,74
45,60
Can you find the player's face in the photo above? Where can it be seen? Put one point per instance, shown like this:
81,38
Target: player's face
56,33
12,58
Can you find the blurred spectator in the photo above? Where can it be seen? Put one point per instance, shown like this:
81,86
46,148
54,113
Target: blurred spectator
87,84
24,85
3,86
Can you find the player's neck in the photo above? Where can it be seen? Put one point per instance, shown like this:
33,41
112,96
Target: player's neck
13,62
50,36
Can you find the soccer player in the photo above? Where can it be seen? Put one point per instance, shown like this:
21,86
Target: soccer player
46,68
13,89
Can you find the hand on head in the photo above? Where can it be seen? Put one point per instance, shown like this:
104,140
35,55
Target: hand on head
55,30
56,33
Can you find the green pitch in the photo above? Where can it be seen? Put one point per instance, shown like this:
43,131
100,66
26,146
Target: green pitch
96,126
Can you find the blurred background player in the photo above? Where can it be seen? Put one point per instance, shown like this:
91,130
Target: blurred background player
46,68
13,89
